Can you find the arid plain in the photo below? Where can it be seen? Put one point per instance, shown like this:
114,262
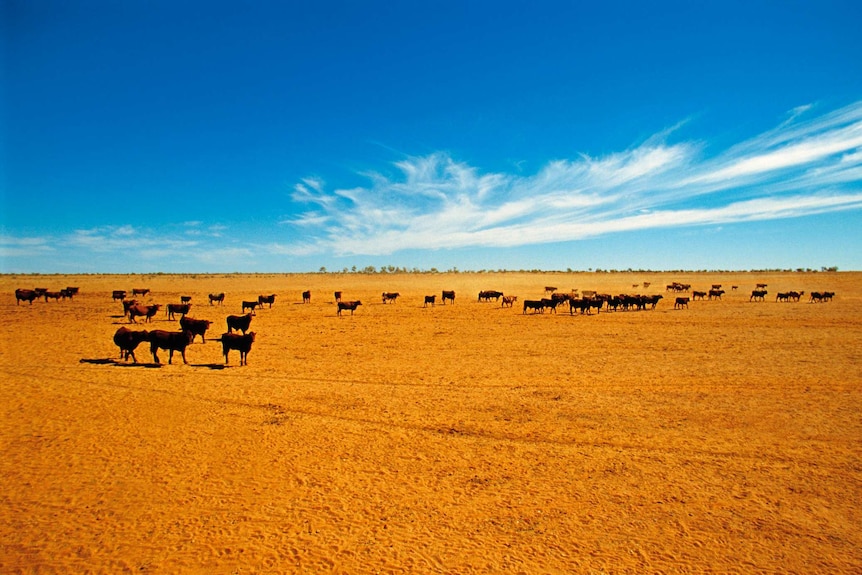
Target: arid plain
466,438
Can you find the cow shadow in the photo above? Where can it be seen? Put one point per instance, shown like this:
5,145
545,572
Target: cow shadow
116,362
211,365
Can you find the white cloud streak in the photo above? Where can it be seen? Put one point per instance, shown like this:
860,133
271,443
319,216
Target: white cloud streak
797,169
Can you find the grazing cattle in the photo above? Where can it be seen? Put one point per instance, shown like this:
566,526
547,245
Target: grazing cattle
337,296
509,300
267,299
249,305
450,295
681,302
390,296
128,340
56,295
238,323
195,326
140,291
646,284
757,295
306,296
219,297
535,305
185,298
242,343
351,305
550,289
180,308
171,341
715,293
429,299
145,311
119,294
27,295
486,295
698,295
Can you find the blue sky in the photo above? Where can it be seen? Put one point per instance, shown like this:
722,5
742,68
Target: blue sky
289,136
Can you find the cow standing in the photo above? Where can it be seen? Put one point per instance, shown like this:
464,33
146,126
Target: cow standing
238,323
128,340
242,343
195,327
351,305
171,341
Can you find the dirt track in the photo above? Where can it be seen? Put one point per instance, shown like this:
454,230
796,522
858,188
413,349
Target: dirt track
466,438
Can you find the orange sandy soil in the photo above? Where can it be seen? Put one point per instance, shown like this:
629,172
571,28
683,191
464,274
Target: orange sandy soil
725,438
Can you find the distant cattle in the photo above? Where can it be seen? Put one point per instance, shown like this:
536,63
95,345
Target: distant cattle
450,295
486,295
171,341
698,295
509,300
716,286
760,286
238,323
249,305
56,295
242,343
195,326
128,340
338,296
757,295
180,308
715,293
119,294
681,302
140,291
145,311
678,287
429,299
585,305
820,297
269,300
534,305
550,303
351,305
72,291
306,296
550,289
389,296
185,298
217,297
27,295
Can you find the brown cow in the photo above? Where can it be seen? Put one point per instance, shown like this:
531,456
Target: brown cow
171,341
140,291
351,305
219,297
145,311
118,294
238,322
509,300
681,302
180,308
338,296
56,295
242,343
127,340
195,326
306,296
390,296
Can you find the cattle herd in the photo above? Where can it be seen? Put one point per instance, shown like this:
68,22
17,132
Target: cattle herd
584,302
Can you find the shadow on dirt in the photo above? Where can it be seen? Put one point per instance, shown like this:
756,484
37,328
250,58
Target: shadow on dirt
117,363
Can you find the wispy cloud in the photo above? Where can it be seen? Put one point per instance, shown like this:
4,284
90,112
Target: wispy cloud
799,168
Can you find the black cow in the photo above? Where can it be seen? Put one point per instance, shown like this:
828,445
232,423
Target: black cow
127,340
486,295
249,305
429,299
242,343
535,305
337,296
118,294
450,295
351,305
25,295
180,308
219,297
269,299
715,293
238,322
170,340
195,326
306,296
757,295
681,302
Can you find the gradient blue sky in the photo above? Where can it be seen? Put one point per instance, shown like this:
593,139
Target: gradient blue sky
144,136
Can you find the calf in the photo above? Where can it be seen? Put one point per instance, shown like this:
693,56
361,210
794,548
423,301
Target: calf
127,340
681,302
389,296
238,322
351,305
306,296
450,295
145,311
195,327
219,297
270,299
180,308
509,300
429,299
249,305
242,343
170,340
